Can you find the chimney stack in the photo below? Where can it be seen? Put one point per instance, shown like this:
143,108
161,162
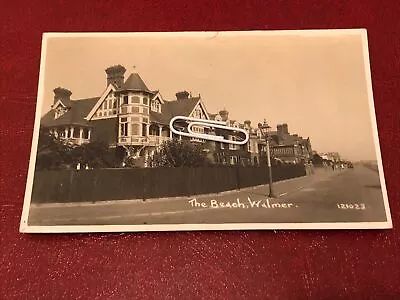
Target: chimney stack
285,128
279,129
182,95
224,115
62,94
115,75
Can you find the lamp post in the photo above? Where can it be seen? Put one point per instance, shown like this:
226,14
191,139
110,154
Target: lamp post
264,128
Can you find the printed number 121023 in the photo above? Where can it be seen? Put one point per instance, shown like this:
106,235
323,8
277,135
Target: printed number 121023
351,206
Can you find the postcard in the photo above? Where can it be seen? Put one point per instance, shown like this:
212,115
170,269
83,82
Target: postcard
186,131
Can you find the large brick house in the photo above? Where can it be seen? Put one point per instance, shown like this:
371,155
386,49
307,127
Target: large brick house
289,148
224,153
128,114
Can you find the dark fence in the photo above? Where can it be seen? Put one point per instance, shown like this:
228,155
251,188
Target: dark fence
112,184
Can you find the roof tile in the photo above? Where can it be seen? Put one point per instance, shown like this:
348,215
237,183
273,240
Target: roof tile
174,108
75,115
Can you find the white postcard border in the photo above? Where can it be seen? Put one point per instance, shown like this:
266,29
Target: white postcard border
25,228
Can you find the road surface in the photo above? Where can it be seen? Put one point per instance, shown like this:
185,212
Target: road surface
350,195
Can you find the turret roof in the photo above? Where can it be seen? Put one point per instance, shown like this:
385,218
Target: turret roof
135,82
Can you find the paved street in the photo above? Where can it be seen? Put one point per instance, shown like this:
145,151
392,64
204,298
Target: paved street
350,195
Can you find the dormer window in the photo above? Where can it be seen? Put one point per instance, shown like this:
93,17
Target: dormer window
156,106
59,111
198,113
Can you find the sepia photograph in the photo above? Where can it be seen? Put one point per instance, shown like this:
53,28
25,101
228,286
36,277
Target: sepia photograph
232,130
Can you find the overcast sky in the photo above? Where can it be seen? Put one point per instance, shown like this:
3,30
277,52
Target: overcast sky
316,84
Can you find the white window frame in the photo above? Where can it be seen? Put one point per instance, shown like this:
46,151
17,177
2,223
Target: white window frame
124,127
134,97
139,127
232,146
142,110
155,105
123,100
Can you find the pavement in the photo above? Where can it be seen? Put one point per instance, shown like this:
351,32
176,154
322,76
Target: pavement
349,195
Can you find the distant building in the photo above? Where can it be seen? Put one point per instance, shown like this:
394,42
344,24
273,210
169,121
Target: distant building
289,148
331,156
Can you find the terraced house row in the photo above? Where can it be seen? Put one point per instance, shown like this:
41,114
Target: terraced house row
128,114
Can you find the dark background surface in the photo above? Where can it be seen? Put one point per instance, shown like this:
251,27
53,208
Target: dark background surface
347,264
